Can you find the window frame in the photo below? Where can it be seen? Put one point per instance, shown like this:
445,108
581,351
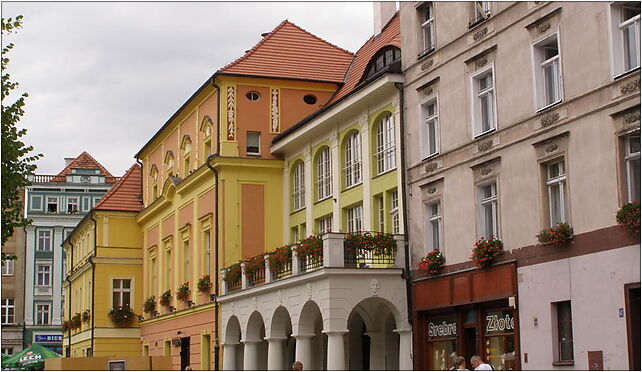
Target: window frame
57,203
70,204
427,26
325,221
482,203
40,320
629,163
539,70
352,170
8,267
558,335
121,290
618,52
394,212
298,186
46,274
385,144
550,182
248,134
425,128
477,94
354,218
324,173
431,219
8,311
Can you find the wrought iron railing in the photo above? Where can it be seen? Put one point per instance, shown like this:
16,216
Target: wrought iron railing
234,286
310,263
257,278
373,249
284,271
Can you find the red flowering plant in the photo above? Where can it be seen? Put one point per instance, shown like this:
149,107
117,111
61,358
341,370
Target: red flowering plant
629,217
378,243
233,275
280,259
75,321
65,326
150,305
121,315
204,284
86,315
255,269
560,233
165,298
310,247
486,250
432,263
182,292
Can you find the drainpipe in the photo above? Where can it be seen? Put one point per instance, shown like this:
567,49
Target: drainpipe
68,280
93,283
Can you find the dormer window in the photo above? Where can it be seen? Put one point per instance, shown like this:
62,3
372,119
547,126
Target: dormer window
384,58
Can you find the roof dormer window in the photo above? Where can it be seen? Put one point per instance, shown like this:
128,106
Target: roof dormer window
384,58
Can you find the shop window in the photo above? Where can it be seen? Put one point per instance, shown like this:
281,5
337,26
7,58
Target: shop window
499,339
442,342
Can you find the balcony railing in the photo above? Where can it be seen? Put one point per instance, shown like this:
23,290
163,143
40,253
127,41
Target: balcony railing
337,252
41,178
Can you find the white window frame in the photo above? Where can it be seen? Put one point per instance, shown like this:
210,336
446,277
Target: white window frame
296,237
617,39
8,311
551,182
298,186
41,310
491,202
429,120
477,95
433,217
352,151
324,224
539,71
121,290
394,211
629,163
481,10
354,218
255,135
47,204
7,350
45,274
427,17
324,174
42,203
207,251
70,204
8,267
379,203
385,144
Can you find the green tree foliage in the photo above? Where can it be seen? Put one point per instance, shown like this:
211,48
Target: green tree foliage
17,163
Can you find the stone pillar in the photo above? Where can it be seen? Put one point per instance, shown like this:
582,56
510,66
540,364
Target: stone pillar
296,269
29,273
268,272
336,350
333,252
275,354
223,289
303,352
245,283
405,349
364,134
229,356
56,278
377,351
400,256
309,190
251,355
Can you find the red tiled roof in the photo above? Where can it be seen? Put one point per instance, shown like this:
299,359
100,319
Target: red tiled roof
292,52
84,161
389,36
125,194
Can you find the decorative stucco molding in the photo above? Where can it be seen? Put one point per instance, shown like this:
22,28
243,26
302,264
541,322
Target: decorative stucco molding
478,35
431,167
549,119
274,112
630,87
484,145
231,113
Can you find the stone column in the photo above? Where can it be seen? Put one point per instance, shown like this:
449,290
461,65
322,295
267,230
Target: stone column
303,352
366,158
309,190
29,273
336,180
377,351
251,355
336,350
405,349
56,278
229,356
275,354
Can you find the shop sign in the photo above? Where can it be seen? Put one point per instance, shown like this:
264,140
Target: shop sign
441,328
48,338
499,322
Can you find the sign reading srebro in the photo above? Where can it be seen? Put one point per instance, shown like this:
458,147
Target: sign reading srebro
441,328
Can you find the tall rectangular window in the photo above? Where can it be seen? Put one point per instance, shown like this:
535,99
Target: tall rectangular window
121,292
352,167
72,204
186,261
548,71
8,267
298,186
324,174
632,162
44,240
487,204
556,187
207,252
430,129
481,11
483,101
52,204
564,331
295,234
42,314
385,138
354,218
43,275
432,226
324,224
394,211
152,269
380,210
625,30
168,267
8,311
253,146
427,26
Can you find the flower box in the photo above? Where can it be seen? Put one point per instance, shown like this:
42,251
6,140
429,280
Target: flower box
432,263
377,243
150,305
75,321
121,315
165,298
629,217
183,291
86,315
560,233
254,265
486,251
233,274
280,260
204,284
310,247
65,326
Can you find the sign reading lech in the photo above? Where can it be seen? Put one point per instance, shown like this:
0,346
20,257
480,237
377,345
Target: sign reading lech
499,322
441,328
30,358
48,338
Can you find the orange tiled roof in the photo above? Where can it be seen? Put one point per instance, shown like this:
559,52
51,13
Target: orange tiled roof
84,161
389,36
125,194
292,52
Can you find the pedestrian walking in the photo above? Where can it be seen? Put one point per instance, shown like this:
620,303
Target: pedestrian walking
479,365
297,366
460,364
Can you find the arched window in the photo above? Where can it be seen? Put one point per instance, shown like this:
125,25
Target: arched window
385,144
324,174
298,186
206,130
352,152
384,58
154,175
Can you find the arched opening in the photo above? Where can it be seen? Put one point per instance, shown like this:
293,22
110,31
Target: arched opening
283,342
255,352
232,346
312,343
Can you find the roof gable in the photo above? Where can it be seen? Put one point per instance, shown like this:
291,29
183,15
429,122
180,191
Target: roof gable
84,161
125,195
292,52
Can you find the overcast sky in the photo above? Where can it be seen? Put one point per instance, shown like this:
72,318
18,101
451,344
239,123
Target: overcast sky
104,77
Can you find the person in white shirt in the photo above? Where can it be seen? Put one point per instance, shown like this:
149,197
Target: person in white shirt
479,365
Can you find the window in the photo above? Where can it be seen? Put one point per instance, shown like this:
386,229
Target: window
430,129
487,204
295,234
385,155
186,261
7,350
564,331
548,73
52,205
8,267
43,275
381,226
253,143
8,311
36,202
42,314
355,218
556,187
394,211
324,174
625,23
483,102
252,96
381,60
207,252
310,99
324,224
433,226
169,162
72,205
352,168
186,146
121,292
481,11
168,267
152,276
428,26
632,163
298,186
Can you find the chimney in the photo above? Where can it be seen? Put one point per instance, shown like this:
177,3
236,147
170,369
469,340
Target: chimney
383,11
68,161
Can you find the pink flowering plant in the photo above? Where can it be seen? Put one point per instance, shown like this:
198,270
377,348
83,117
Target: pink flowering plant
165,298
183,291
629,217
432,263
485,251
560,233
121,315
204,284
